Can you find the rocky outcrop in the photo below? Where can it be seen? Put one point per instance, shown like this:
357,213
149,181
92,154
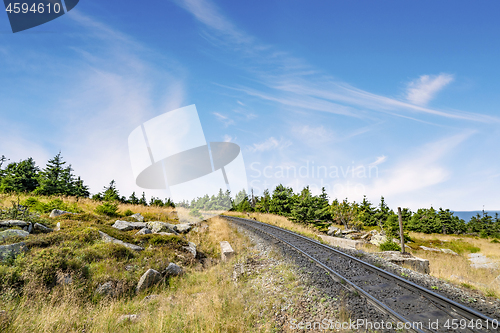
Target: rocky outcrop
172,270
157,226
425,248
417,264
106,289
126,226
183,228
58,212
148,279
138,217
108,239
12,250
41,228
14,223
333,231
378,239
143,231
12,233
191,248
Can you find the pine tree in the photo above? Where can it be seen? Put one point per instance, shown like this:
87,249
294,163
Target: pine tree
133,199
262,204
110,193
143,201
282,201
303,209
19,177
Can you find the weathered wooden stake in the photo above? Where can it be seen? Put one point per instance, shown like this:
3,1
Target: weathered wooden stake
401,235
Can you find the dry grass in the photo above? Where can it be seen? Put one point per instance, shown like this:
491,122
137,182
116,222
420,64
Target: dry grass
205,300
280,221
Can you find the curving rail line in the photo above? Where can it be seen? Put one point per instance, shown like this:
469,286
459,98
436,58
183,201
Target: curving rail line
403,301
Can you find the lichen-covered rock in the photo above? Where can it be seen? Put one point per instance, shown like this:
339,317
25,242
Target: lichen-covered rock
58,212
41,227
12,233
143,231
157,226
108,239
12,250
13,223
172,270
183,228
191,248
106,289
148,279
138,217
332,230
126,226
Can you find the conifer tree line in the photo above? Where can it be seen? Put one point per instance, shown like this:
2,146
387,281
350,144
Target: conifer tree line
57,178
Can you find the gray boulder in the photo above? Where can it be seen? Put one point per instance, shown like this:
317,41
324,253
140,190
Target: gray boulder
108,239
106,289
138,217
378,239
191,248
149,298
58,212
58,226
126,226
183,228
165,233
12,250
41,227
128,318
172,270
448,251
143,231
332,230
148,279
13,223
13,232
157,226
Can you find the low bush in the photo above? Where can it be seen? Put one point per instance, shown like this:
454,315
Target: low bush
107,208
389,245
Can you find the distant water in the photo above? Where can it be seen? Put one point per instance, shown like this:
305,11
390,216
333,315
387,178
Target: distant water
466,216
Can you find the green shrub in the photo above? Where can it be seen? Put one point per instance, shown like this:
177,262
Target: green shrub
128,212
389,245
495,241
107,208
175,241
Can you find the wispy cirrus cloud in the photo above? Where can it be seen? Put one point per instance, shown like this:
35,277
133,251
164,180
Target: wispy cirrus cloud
423,89
295,84
270,144
224,119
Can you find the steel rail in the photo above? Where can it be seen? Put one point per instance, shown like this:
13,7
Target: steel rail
436,298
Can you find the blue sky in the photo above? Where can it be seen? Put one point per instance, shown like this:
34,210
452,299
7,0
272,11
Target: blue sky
389,98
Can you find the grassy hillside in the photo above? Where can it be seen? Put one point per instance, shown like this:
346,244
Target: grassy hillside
53,287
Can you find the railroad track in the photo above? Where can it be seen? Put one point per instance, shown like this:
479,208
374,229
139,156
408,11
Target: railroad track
410,306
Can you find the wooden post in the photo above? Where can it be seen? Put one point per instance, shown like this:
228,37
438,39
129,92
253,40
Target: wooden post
401,235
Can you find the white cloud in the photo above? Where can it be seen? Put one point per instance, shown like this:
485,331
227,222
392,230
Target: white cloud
316,134
423,89
225,119
295,84
270,144
240,103
228,138
380,160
